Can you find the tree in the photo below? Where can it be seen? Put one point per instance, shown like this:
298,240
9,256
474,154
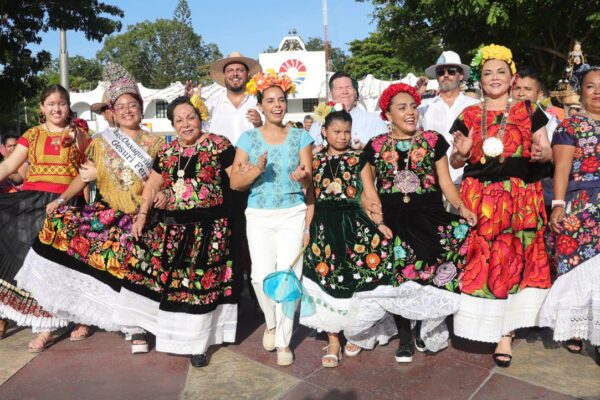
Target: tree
182,13
84,73
22,21
161,52
374,55
540,33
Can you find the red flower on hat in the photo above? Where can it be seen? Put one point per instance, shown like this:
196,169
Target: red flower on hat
392,90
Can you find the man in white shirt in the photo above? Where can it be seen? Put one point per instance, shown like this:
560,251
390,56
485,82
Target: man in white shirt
233,112
343,89
438,113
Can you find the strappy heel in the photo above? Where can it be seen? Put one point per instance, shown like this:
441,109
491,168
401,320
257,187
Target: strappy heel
333,360
496,356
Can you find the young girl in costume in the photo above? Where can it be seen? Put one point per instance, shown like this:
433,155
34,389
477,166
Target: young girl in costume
346,253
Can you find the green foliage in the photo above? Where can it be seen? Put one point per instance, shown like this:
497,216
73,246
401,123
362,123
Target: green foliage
540,33
375,56
84,74
21,22
161,52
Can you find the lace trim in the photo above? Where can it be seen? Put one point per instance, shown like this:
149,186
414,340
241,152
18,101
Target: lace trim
572,307
67,293
410,300
330,314
37,324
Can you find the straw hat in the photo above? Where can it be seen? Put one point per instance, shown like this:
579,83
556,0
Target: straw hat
448,58
99,108
216,69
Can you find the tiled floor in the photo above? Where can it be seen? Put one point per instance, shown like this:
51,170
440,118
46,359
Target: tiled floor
102,367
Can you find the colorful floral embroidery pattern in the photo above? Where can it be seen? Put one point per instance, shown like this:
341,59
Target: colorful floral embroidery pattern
202,180
346,253
95,234
506,251
388,159
581,132
444,271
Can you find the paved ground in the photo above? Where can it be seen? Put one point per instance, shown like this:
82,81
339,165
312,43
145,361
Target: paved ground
101,367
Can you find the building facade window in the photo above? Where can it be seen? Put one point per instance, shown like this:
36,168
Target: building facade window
161,109
308,105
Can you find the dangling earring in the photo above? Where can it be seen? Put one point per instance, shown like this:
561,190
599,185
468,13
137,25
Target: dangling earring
42,117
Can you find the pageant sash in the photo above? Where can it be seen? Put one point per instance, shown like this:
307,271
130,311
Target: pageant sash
132,154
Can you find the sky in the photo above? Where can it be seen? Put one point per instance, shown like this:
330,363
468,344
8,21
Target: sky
238,25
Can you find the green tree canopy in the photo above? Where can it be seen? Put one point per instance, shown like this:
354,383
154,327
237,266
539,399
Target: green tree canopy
21,22
374,55
539,33
161,52
84,73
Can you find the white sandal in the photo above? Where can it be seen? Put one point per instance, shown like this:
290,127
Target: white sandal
268,341
285,357
352,353
335,358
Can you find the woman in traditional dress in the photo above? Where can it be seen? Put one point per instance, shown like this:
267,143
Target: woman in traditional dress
572,307
274,163
410,169
503,145
54,151
76,265
180,280
347,253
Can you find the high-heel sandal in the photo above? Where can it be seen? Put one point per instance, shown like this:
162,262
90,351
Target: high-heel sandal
496,356
46,340
333,360
574,345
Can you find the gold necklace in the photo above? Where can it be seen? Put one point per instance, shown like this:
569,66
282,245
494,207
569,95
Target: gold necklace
493,146
334,186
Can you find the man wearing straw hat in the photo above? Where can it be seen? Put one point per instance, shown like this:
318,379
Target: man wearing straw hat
438,113
233,112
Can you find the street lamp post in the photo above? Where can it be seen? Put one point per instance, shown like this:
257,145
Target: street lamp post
64,60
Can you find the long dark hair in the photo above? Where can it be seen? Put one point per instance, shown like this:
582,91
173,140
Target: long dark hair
56,88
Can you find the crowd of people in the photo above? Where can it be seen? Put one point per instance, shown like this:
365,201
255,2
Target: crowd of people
481,208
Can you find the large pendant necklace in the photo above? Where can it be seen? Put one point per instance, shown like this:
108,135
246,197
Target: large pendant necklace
493,146
406,181
335,187
55,140
179,186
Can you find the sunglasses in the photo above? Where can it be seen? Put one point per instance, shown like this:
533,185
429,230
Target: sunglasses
450,70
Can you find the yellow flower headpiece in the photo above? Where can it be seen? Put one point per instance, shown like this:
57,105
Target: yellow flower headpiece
199,105
264,80
492,52
324,109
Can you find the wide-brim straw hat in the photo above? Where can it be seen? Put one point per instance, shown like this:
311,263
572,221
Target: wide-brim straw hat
448,58
99,108
216,69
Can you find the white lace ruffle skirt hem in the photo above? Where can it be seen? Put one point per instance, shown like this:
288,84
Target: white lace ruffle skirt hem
68,294
572,307
177,332
486,320
330,314
37,324
371,311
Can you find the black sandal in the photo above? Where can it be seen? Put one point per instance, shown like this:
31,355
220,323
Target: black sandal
496,356
574,345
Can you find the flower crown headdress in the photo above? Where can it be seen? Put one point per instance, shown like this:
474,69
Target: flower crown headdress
491,52
322,110
264,80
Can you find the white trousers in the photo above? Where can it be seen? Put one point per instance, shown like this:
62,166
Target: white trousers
274,240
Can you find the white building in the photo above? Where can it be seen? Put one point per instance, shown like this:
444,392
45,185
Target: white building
306,68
